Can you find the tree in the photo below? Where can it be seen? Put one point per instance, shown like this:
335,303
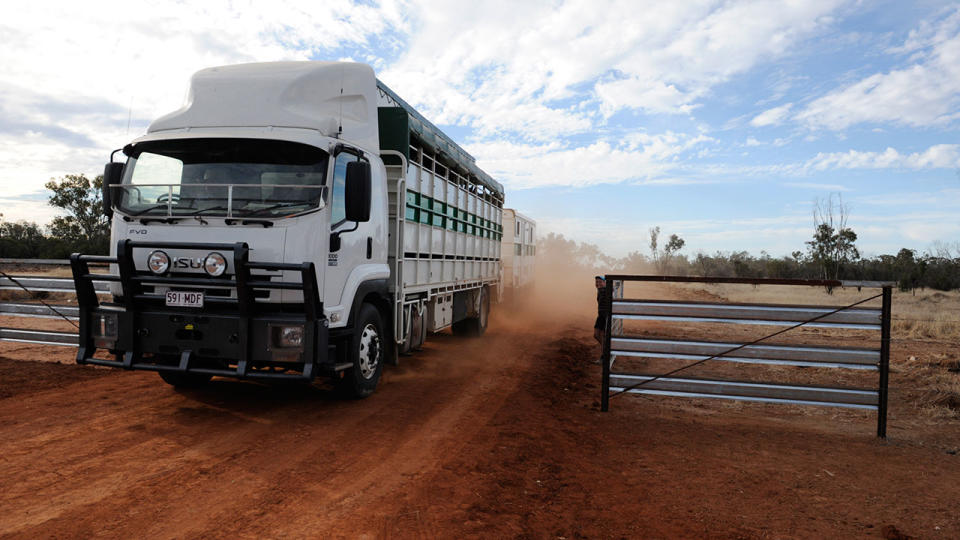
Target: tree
85,225
662,257
654,252
21,240
833,242
674,245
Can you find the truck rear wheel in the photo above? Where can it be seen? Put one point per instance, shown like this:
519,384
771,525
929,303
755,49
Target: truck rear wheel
475,326
185,380
366,353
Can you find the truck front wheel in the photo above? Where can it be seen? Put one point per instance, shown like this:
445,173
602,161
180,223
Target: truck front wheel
366,353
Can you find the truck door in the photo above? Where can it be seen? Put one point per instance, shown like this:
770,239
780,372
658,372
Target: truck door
353,243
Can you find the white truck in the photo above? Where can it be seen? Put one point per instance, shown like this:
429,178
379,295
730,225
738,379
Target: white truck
519,253
291,220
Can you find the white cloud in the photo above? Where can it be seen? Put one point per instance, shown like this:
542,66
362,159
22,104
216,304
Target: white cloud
936,157
489,67
771,117
942,199
27,210
817,186
651,96
925,93
637,157
73,73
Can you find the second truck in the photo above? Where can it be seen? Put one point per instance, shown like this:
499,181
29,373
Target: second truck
291,220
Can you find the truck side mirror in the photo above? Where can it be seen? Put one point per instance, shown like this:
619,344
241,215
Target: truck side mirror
358,191
112,175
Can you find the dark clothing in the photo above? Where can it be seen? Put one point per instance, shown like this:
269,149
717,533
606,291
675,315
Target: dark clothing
601,322
601,313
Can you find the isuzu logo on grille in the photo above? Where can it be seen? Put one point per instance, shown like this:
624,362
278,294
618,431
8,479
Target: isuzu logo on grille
187,262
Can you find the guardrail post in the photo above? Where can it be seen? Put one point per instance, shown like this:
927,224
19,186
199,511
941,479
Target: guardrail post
129,325
87,302
607,304
245,299
884,362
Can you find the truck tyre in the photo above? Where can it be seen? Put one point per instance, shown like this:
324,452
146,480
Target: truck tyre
475,326
366,353
185,380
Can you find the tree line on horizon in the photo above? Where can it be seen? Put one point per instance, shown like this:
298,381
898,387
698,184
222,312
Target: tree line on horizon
831,252
938,270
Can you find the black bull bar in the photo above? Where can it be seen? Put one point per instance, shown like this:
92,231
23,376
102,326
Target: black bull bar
144,334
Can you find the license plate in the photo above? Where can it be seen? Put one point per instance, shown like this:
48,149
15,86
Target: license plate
184,299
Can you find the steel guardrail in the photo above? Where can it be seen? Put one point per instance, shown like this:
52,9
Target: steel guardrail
37,306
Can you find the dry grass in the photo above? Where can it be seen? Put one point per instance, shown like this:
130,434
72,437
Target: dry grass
916,315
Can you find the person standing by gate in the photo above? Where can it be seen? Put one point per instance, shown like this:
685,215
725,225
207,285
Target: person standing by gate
600,326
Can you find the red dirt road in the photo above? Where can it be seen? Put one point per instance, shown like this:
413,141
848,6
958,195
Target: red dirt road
496,437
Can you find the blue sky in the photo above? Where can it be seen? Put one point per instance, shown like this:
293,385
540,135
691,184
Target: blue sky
722,122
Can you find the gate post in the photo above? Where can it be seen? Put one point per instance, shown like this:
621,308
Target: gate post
884,362
605,357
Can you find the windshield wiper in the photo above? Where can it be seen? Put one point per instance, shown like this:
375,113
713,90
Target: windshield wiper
148,209
202,210
163,219
287,204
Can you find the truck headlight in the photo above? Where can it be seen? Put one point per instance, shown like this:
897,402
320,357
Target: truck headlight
215,264
158,262
288,337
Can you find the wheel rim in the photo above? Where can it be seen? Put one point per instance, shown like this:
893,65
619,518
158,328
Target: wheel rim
369,351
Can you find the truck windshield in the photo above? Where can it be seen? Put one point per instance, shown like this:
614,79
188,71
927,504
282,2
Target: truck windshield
238,177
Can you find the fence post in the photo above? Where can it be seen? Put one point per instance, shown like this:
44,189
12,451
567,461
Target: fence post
605,357
884,362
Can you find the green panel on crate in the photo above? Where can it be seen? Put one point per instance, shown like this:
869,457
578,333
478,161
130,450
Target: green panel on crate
394,123
424,209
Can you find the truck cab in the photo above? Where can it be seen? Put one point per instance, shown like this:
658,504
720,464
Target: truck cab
258,232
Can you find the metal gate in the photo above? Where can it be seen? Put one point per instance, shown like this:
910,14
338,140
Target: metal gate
618,344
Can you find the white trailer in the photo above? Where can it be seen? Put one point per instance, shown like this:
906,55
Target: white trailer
519,252
292,219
